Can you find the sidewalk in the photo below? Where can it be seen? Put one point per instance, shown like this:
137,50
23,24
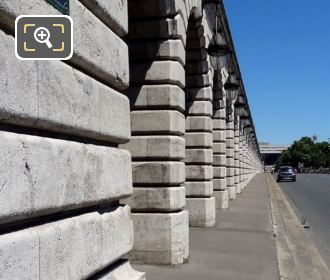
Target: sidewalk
240,247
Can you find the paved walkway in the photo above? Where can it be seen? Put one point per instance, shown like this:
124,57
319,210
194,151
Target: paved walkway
240,247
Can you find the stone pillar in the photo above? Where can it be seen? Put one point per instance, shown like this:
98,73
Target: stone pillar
199,155
241,158
157,98
230,151
219,144
236,155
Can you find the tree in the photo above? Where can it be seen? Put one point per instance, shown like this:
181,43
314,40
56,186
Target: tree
305,151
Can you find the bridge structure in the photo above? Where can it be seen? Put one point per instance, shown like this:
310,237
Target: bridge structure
270,152
111,157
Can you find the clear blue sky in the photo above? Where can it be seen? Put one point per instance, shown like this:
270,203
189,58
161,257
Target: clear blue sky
283,47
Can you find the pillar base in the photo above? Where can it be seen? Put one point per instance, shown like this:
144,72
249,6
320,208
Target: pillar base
238,189
232,192
221,199
201,211
160,238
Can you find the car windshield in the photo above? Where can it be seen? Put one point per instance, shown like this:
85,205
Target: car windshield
286,169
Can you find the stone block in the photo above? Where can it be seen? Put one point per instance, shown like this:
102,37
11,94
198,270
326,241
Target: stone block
220,183
230,181
97,50
158,122
221,199
199,172
230,155
219,124
196,55
156,147
162,172
196,43
201,211
204,93
160,238
195,156
33,96
45,176
199,67
162,28
199,189
219,172
219,113
198,139
113,13
199,108
230,143
219,160
231,172
158,72
238,188
232,192
200,124
156,96
230,162
219,148
219,136
194,81
157,50
122,270
230,134
157,199
73,248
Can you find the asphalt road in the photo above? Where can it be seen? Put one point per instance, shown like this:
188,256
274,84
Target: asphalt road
310,197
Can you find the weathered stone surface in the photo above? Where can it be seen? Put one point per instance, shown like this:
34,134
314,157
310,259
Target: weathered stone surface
113,13
219,148
220,183
238,188
34,94
193,81
230,155
195,156
158,72
156,147
156,96
198,139
199,67
219,136
221,199
199,172
43,175
97,50
219,172
231,172
204,93
199,108
219,124
230,162
196,55
230,134
163,28
201,211
219,113
219,160
198,124
162,172
157,199
73,248
158,122
160,50
160,238
199,189
230,143
122,271
232,192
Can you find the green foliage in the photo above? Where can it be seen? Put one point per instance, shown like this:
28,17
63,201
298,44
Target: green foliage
305,151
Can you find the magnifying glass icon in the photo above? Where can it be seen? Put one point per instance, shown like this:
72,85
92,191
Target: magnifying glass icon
42,35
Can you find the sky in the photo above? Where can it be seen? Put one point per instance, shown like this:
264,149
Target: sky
283,48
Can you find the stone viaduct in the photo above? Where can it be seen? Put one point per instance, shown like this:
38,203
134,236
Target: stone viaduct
114,154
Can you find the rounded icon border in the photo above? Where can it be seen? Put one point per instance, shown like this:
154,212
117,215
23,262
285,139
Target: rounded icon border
59,16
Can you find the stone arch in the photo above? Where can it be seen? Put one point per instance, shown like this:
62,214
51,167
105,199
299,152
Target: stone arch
199,156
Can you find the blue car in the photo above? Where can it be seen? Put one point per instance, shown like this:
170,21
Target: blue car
286,173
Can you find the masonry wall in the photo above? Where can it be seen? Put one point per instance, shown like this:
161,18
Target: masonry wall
62,173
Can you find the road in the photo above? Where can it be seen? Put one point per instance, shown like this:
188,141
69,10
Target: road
310,197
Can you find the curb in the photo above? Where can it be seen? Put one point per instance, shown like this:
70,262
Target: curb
298,258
